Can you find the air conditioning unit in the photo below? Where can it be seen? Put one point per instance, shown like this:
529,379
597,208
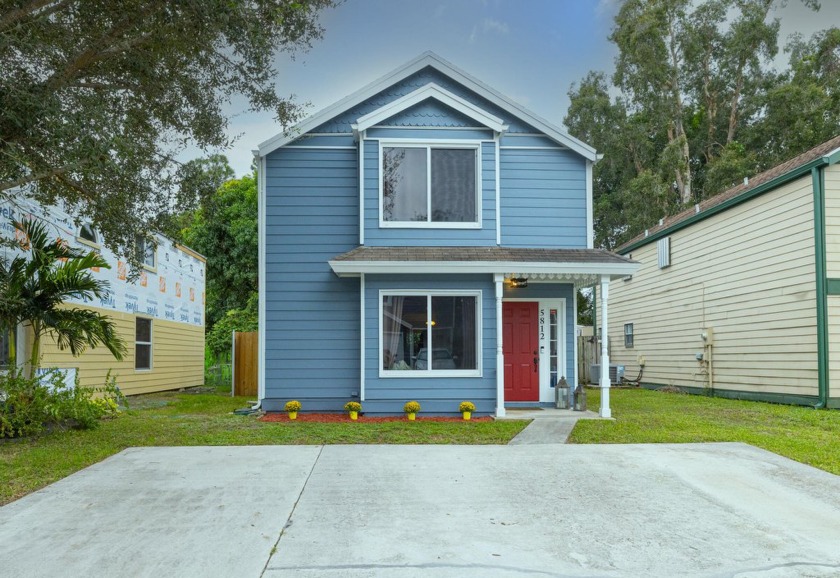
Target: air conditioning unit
616,373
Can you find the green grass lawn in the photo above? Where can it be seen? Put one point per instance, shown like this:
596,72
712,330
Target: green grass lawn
187,419
802,434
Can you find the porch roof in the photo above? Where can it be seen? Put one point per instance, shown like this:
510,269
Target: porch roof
571,265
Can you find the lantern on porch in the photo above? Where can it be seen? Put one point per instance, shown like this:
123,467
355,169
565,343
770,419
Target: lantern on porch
580,398
561,394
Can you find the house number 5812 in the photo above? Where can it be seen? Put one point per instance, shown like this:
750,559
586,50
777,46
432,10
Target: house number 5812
542,324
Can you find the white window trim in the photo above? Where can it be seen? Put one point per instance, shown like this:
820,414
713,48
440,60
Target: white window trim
429,145
433,373
142,249
94,244
150,343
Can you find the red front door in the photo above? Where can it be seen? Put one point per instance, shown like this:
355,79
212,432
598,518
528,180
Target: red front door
520,346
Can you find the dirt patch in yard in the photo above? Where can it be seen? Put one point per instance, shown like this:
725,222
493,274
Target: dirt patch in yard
340,417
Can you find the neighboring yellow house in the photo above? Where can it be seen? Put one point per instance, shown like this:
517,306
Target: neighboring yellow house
739,296
160,316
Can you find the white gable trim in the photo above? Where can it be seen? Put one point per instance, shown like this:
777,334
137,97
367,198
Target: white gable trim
434,91
433,60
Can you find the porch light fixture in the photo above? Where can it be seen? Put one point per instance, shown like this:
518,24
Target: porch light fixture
519,282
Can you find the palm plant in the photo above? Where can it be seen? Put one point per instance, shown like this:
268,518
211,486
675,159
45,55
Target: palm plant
35,284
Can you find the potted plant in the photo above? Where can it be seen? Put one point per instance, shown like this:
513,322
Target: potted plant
293,407
411,408
353,408
466,408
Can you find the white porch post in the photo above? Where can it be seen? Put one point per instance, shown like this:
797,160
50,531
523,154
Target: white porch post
500,354
605,351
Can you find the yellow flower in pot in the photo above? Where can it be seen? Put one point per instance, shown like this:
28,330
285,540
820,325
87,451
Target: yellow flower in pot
411,408
466,408
293,407
353,408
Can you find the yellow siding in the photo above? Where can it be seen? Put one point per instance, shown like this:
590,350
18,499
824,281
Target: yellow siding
832,221
749,274
177,358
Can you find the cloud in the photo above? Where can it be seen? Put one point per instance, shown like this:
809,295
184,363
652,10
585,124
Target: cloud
489,26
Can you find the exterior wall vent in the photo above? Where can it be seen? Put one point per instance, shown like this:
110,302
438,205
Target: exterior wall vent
663,247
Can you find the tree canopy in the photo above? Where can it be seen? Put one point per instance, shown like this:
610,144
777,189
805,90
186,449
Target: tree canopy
224,229
694,105
97,98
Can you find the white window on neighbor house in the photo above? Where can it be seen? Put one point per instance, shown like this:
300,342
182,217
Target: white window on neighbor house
143,344
88,234
663,249
146,252
628,335
430,334
430,186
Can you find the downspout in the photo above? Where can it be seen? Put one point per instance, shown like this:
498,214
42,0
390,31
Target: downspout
817,178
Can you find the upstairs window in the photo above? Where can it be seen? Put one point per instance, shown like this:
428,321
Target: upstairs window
429,185
663,252
88,233
146,252
628,335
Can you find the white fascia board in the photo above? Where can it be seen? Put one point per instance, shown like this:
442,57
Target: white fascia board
434,91
354,268
446,68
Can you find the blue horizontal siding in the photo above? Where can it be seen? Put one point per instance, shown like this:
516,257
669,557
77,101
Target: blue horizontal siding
543,198
436,395
527,140
324,140
312,317
342,122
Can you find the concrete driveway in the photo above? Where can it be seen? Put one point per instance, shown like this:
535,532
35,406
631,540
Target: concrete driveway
529,510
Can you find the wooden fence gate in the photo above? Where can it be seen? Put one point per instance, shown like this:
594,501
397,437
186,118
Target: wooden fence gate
245,363
589,353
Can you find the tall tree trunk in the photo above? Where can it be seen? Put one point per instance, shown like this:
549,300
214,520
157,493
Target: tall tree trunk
683,173
733,106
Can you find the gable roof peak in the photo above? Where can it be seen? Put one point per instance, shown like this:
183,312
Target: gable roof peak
433,60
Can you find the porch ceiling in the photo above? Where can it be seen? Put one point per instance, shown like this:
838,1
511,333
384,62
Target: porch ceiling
579,266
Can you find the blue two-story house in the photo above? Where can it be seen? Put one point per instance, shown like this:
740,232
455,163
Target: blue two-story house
423,239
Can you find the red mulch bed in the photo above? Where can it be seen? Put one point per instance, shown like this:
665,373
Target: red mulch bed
342,417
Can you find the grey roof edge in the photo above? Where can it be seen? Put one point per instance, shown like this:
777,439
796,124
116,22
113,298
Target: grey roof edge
443,66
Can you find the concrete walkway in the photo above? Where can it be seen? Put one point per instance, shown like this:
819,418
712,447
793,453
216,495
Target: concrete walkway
697,510
549,425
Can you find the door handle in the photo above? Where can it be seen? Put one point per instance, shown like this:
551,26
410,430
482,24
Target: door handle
536,361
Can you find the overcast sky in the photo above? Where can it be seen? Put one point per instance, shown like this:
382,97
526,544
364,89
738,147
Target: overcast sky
530,50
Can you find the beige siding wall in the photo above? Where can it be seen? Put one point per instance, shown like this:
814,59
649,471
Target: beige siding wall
832,257
832,221
748,273
177,358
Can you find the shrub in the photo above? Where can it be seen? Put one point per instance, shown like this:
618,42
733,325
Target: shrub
352,406
466,406
411,407
28,405
293,405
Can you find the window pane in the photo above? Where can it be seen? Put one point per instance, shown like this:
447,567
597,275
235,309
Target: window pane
404,184
5,346
404,334
87,233
454,333
143,330
142,356
453,185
